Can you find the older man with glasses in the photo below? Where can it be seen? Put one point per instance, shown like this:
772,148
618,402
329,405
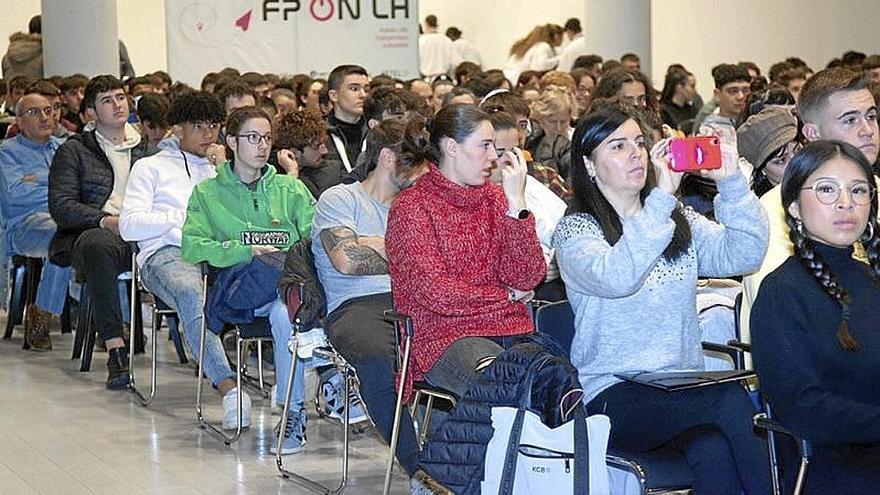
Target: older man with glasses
24,161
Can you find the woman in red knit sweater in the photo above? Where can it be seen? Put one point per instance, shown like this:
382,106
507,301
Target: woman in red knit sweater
464,255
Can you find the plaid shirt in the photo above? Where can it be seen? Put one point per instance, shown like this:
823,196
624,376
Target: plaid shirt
550,178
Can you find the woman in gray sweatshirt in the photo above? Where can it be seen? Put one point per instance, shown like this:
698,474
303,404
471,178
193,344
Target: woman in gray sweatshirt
630,255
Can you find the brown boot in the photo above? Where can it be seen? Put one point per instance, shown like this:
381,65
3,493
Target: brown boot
36,329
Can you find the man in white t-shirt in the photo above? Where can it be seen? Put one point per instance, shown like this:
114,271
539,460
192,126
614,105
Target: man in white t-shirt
435,50
462,49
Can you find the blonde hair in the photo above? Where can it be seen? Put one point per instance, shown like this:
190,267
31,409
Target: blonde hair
553,100
544,33
558,78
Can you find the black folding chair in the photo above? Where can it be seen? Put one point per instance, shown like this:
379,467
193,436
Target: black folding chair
24,277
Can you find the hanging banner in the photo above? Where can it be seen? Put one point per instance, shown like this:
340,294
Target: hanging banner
291,36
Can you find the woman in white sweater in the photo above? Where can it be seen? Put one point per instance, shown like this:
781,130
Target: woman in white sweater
536,51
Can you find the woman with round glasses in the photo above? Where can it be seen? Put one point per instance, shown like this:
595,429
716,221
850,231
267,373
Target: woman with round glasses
250,211
815,329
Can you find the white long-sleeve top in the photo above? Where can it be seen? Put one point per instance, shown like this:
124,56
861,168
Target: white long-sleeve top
156,197
540,57
571,52
435,54
464,51
548,209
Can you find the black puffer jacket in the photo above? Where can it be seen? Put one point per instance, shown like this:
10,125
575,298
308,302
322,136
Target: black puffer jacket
456,452
80,182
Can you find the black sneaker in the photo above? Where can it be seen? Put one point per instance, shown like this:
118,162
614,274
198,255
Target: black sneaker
117,369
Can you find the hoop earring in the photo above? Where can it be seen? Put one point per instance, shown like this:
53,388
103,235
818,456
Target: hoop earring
593,179
869,232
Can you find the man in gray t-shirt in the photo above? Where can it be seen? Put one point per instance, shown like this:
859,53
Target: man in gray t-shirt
348,242
353,221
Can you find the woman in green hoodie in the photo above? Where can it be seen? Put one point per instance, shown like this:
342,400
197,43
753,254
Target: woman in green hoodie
248,210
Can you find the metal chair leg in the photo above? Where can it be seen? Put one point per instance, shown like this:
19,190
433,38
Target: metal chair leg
299,479
398,410
89,333
260,365
66,317
774,463
426,421
134,305
203,424
801,476
15,306
82,324
145,401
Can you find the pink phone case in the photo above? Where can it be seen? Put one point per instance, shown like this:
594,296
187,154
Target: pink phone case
695,153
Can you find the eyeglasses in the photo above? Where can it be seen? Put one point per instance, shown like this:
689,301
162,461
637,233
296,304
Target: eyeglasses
828,192
254,138
34,111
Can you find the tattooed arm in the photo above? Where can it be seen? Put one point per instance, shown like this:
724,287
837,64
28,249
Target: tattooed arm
354,255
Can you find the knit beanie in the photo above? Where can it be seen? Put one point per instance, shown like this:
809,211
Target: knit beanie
764,133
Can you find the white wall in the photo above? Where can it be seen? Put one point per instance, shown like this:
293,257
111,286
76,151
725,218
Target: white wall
141,25
142,29
696,33
701,34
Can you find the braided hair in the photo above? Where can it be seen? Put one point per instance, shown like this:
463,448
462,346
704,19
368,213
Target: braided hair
802,166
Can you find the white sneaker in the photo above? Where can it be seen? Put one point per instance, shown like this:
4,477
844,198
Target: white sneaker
230,410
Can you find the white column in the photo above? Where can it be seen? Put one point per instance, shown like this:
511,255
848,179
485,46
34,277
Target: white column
613,28
80,37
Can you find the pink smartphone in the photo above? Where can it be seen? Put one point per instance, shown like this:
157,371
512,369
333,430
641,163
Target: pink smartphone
695,153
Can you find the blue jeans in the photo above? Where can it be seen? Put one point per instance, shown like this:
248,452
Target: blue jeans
179,285
358,331
711,425
31,238
281,333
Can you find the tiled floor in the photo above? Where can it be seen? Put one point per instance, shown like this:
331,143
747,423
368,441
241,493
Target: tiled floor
62,432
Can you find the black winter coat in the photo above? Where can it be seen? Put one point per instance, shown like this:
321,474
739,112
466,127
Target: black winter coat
80,182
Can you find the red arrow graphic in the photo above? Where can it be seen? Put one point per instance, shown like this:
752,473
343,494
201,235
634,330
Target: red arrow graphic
244,21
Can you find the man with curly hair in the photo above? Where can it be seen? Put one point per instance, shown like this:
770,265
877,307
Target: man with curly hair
301,140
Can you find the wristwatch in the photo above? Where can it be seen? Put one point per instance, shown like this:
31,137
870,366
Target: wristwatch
520,215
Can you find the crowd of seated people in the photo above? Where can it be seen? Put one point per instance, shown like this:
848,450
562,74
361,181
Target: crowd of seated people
472,194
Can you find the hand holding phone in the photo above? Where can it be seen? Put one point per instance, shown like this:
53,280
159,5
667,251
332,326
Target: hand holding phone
696,153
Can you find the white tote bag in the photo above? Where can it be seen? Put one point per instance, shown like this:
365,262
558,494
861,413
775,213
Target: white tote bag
545,457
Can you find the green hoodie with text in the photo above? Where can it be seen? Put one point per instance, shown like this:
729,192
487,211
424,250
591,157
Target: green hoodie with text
225,218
